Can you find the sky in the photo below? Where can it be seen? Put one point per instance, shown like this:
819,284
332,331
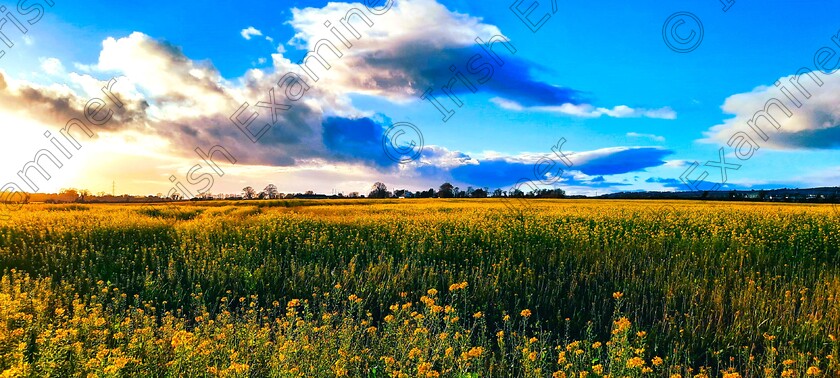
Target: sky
590,97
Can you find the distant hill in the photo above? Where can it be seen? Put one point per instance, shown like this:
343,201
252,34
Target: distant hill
814,195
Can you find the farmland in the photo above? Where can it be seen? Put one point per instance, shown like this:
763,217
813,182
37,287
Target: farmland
410,288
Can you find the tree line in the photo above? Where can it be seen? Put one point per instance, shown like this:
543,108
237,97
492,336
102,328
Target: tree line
447,190
378,191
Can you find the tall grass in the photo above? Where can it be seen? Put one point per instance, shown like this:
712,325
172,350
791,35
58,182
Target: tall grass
715,288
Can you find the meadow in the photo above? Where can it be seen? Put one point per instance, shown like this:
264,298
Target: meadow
421,288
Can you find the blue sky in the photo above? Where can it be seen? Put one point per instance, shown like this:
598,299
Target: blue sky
635,114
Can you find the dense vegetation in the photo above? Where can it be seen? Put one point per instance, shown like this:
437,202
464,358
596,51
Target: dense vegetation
421,288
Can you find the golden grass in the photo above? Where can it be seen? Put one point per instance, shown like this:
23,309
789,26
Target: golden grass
421,288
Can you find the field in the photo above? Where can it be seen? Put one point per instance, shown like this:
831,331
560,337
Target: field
421,288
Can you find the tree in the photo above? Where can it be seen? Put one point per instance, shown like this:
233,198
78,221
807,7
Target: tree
70,192
248,192
353,195
479,193
446,190
270,191
379,190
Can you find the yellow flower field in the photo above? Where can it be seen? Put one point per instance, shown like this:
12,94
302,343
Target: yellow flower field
421,288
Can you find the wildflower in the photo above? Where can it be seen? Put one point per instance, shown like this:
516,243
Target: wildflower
478,315
181,338
596,345
427,301
526,313
635,362
239,368
598,369
813,370
561,359
533,340
432,292
621,325
424,368
120,362
475,352
618,295
657,361
414,353
458,286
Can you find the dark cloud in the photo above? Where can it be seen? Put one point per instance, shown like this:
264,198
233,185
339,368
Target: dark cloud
827,138
356,140
620,161
503,172
421,66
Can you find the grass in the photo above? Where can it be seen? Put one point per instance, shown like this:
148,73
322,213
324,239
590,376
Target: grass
376,288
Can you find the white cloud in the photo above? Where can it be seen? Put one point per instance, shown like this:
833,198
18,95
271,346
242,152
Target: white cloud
589,111
385,60
52,66
653,137
250,32
814,125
